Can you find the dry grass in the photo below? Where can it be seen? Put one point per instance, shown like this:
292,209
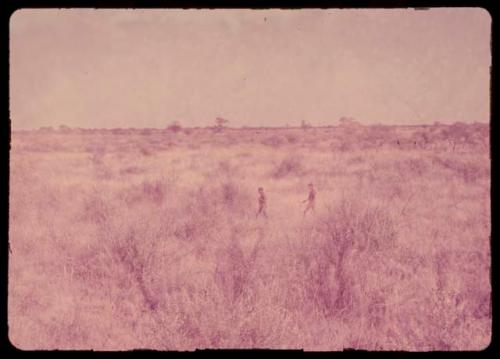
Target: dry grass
130,239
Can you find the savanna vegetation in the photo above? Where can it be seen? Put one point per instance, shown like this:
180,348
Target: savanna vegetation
128,238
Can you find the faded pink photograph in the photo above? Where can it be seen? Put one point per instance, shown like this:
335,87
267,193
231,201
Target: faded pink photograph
282,179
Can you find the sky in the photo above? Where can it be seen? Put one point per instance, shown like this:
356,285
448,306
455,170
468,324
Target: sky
111,68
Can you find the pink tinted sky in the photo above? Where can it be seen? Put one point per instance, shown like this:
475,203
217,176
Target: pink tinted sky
147,68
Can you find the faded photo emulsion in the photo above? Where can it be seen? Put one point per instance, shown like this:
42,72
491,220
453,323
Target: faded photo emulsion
282,179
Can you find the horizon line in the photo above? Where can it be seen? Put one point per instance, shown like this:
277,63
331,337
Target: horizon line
212,127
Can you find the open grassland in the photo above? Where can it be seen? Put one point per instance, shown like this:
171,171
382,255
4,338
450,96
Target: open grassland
148,239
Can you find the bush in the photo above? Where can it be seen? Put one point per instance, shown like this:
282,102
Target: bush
174,127
350,235
291,165
155,190
232,197
233,271
145,151
273,141
292,138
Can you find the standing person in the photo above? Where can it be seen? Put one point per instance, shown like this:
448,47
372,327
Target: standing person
310,199
262,203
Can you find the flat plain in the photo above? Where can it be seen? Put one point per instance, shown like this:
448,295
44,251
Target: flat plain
127,238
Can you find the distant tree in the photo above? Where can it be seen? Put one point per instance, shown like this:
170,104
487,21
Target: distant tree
46,129
220,123
305,125
174,127
64,129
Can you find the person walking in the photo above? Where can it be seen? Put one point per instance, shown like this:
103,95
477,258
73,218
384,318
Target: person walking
311,200
262,204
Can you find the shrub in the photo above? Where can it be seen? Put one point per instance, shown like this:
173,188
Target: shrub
291,165
174,127
273,141
350,235
135,260
233,197
232,273
291,138
155,190
145,151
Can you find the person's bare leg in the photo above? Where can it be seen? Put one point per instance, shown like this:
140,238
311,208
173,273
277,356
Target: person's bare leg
261,210
305,211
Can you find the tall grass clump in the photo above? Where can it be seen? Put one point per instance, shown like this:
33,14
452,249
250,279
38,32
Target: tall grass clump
290,166
351,235
336,261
